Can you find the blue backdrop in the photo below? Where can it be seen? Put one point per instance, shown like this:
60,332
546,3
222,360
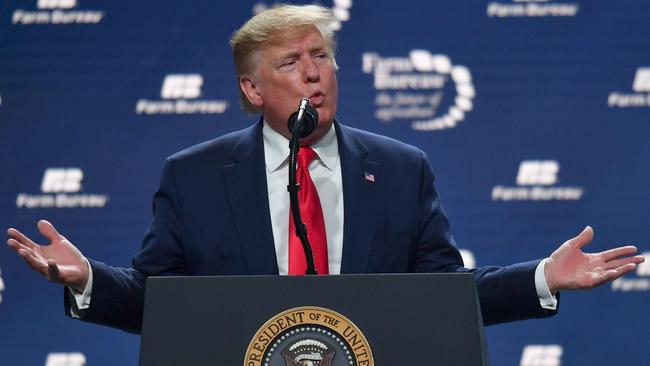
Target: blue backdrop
535,114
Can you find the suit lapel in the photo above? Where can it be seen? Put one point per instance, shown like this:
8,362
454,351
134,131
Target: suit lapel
248,197
360,198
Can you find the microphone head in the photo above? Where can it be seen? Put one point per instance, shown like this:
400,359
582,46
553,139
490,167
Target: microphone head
309,121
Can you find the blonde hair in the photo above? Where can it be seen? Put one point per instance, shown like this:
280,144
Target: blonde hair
265,26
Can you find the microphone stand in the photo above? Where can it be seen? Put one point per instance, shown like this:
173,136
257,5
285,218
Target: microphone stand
293,188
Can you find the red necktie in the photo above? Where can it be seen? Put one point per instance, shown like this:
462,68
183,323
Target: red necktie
312,216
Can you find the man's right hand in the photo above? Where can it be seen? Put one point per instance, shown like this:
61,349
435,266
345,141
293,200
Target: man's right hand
59,262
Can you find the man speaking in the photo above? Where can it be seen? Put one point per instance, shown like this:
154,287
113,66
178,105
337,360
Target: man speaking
222,207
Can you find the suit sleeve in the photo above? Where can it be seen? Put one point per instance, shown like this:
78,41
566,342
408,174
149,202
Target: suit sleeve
118,293
505,293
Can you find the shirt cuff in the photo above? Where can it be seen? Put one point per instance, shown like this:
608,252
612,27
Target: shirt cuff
546,299
81,299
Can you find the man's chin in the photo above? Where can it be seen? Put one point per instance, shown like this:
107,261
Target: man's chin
320,131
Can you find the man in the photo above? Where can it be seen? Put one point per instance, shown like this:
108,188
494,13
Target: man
222,206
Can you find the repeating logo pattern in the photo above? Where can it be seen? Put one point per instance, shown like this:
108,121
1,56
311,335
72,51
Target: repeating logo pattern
536,181
532,9
542,355
59,188
180,93
182,86
641,96
538,172
56,12
56,4
415,89
66,359
62,180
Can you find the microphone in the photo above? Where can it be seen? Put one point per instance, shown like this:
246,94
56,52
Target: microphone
307,114
301,123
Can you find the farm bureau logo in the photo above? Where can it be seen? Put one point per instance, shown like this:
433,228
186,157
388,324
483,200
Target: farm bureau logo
531,9
640,283
60,187
56,12
340,10
65,359
542,355
309,336
179,95
536,181
641,95
414,88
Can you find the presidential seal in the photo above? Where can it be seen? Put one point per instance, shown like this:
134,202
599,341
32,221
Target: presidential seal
309,336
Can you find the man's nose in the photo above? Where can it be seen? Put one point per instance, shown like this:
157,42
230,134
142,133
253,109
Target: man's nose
311,71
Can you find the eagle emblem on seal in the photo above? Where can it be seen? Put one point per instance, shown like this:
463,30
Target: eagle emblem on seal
308,352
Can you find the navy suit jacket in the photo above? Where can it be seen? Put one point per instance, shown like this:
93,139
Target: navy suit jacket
211,217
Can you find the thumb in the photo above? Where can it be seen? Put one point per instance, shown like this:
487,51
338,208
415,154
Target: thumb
53,273
583,238
48,230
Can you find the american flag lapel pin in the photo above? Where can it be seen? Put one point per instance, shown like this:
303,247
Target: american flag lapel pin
368,177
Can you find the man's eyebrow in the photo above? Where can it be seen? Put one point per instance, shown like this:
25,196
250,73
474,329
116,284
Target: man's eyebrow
318,47
289,54
295,53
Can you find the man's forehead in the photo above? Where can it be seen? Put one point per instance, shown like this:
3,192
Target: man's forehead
289,39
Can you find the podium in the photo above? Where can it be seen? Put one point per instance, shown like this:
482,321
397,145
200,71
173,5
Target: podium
351,320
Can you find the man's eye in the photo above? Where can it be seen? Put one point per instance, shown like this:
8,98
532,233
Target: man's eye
288,63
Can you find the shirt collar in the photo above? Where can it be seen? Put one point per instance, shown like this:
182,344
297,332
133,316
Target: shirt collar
276,149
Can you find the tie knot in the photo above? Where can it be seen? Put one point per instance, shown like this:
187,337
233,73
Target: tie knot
305,156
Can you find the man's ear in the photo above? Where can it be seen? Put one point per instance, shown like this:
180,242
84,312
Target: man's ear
250,88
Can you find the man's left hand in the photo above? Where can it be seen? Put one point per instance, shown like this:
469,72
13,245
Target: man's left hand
569,268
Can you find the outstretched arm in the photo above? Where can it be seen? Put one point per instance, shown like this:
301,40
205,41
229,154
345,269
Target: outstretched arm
569,268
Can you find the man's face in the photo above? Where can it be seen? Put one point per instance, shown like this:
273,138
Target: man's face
289,68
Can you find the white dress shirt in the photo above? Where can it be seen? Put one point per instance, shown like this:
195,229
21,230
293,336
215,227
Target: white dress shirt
325,171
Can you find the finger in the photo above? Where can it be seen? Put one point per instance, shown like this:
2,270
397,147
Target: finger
21,238
29,251
16,245
615,253
625,269
623,261
32,261
48,230
53,273
613,274
583,238
609,275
